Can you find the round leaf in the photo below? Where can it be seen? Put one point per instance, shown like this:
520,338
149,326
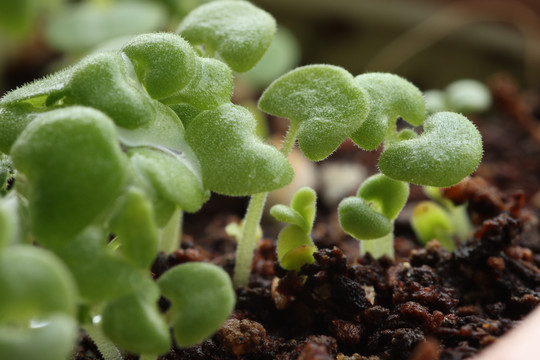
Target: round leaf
288,215
171,175
449,149
211,86
164,63
290,238
234,160
359,220
102,81
52,341
305,201
387,195
136,325
34,284
74,168
237,30
202,298
391,97
322,101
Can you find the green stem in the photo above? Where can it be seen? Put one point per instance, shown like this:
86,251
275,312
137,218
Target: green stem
379,247
170,238
247,243
107,349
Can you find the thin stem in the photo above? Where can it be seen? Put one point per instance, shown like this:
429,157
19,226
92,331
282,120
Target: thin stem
379,247
170,239
247,243
107,349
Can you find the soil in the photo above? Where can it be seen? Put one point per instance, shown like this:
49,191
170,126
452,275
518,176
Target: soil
426,304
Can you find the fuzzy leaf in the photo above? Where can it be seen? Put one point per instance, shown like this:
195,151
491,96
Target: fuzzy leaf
52,341
237,30
391,97
449,149
133,223
135,324
234,160
102,81
359,220
38,92
172,176
74,168
288,215
211,86
387,195
34,284
91,262
14,119
164,62
202,298
322,101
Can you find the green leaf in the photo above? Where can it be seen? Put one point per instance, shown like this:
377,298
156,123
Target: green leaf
133,223
53,340
40,92
362,222
237,30
82,26
102,81
322,101
164,62
295,248
34,283
8,220
93,265
288,215
391,97
135,324
211,86
387,195
234,160
164,130
171,175
185,112
430,221
14,119
202,298
305,201
74,168
449,149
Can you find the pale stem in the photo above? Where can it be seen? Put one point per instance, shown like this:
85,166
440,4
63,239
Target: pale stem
170,235
248,240
379,247
107,349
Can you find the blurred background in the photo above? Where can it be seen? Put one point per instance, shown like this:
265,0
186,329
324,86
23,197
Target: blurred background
432,43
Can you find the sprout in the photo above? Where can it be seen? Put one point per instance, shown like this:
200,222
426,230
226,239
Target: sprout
369,215
295,247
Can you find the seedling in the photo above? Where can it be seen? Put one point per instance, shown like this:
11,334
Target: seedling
295,247
440,219
465,96
369,216
125,141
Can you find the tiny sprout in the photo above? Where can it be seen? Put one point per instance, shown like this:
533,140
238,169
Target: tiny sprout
295,247
430,221
369,215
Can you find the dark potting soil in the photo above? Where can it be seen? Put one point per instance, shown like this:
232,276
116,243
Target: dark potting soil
427,304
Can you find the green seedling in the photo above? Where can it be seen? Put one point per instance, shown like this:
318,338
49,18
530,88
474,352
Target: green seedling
439,218
295,247
369,216
104,157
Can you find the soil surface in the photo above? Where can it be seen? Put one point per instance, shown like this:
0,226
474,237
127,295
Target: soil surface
426,304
